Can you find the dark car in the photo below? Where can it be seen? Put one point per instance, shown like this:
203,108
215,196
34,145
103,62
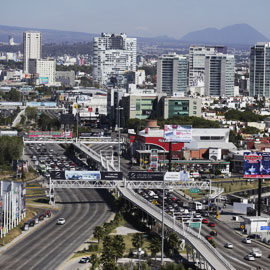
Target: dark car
213,233
84,260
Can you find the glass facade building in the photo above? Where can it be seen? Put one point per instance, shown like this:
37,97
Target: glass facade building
260,70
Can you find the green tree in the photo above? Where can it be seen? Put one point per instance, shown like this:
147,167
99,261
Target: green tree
94,260
99,233
155,245
173,243
119,246
250,130
13,95
31,113
137,240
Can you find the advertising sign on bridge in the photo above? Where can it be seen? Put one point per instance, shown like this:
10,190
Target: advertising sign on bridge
50,134
82,175
147,176
111,176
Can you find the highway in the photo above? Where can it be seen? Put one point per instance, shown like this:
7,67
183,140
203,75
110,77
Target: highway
48,246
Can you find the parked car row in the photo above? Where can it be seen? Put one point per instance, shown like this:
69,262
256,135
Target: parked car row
35,220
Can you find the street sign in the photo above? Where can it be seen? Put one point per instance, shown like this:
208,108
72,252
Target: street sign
195,225
147,176
265,228
194,190
111,176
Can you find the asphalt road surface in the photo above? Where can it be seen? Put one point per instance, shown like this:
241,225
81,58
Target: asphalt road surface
48,246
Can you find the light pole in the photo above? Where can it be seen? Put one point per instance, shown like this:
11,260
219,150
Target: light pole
119,137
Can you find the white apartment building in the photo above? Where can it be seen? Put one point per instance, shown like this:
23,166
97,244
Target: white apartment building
113,56
31,48
219,75
197,62
140,77
172,71
43,71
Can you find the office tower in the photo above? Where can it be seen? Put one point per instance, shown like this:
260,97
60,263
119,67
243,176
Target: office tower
197,62
219,75
172,74
31,48
113,56
260,70
44,70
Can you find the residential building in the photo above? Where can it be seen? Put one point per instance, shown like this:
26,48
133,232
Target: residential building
140,77
172,70
197,62
31,48
179,106
260,70
114,55
219,75
43,71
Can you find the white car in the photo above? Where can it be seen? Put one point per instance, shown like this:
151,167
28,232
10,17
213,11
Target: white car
250,257
61,221
256,252
228,245
246,240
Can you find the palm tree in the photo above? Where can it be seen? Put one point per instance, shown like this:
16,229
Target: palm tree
137,240
155,246
174,242
118,246
99,233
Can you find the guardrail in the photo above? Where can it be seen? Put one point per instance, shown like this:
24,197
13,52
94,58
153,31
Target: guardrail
183,232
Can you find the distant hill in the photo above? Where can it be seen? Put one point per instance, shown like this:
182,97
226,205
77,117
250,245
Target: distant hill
48,36
233,34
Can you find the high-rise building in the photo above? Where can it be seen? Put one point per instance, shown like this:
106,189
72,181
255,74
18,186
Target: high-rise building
197,62
31,48
113,56
43,70
219,75
260,70
172,70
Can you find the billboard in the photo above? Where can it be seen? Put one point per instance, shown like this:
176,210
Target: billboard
41,104
176,133
177,176
43,80
256,165
50,134
82,175
147,176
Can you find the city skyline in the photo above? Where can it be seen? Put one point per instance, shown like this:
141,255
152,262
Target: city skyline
142,19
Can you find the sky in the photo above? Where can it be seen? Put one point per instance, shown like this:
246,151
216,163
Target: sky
142,18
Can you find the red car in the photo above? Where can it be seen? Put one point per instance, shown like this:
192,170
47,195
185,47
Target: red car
205,221
208,237
211,224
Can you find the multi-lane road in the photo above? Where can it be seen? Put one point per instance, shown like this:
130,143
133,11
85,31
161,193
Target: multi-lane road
49,245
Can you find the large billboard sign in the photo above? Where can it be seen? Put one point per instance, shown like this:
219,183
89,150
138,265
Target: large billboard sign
50,134
177,176
256,165
147,176
82,175
176,133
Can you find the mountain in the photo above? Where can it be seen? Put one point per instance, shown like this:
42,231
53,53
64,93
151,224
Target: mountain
233,34
48,36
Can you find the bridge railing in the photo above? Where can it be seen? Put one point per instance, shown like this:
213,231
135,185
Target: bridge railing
184,231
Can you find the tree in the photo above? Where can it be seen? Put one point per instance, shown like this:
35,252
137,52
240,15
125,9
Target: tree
99,233
94,260
250,130
13,95
173,242
137,240
31,113
119,246
155,245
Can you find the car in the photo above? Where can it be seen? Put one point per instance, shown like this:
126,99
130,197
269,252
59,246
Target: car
246,240
212,224
205,214
208,237
84,260
249,257
228,245
214,233
61,221
197,215
205,221
256,252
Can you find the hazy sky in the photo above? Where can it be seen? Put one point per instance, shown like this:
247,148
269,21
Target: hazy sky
173,18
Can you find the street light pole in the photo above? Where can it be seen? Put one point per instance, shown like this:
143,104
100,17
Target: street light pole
119,137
